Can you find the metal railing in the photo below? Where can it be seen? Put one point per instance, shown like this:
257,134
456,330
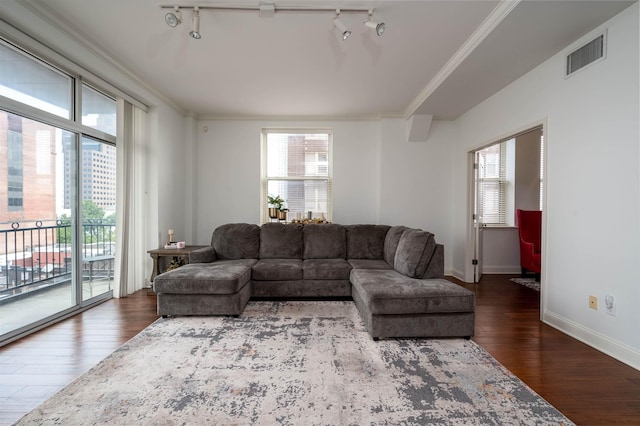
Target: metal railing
41,256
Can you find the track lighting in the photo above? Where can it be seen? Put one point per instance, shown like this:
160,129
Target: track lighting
195,24
378,26
340,26
173,19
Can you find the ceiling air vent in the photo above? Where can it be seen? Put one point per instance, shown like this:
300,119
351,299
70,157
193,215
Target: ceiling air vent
586,55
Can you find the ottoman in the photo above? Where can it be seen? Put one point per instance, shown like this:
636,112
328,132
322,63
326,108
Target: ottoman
394,305
218,288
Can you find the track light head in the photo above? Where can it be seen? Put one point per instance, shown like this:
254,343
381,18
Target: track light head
378,26
173,19
340,26
195,24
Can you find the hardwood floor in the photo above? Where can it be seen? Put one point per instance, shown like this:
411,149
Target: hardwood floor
587,386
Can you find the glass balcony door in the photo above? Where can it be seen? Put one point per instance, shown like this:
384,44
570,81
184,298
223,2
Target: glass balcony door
36,245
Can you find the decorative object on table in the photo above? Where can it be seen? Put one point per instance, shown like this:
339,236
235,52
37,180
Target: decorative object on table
254,369
170,237
276,204
309,219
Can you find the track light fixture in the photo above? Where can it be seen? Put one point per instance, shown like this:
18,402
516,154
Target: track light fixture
340,26
173,19
378,26
195,24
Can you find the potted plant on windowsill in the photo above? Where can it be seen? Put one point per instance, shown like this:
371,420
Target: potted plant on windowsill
275,206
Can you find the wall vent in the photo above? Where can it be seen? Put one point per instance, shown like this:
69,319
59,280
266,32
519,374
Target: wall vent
586,54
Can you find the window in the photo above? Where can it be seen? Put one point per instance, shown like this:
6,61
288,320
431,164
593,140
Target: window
58,206
26,79
491,202
297,167
98,110
509,175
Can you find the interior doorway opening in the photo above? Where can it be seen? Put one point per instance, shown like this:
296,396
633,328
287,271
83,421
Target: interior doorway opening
507,175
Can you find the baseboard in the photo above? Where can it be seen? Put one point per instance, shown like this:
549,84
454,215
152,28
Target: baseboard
456,274
501,269
604,344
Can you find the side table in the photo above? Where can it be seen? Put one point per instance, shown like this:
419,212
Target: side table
182,254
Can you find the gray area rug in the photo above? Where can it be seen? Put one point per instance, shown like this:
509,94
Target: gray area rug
527,282
293,363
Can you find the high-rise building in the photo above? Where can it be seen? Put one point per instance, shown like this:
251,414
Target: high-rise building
98,173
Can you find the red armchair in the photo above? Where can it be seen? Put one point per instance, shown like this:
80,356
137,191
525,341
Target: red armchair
530,232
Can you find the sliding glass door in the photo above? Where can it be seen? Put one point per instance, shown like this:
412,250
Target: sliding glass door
57,193
36,235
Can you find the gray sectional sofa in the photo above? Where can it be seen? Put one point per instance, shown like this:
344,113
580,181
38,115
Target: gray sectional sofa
394,274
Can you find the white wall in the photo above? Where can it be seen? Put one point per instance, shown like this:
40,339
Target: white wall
416,187
527,173
500,251
591,232
379,177
228,171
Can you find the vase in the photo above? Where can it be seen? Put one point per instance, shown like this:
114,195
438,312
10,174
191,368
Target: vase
282,215
273,213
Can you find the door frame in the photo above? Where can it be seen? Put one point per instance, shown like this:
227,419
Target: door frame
470,244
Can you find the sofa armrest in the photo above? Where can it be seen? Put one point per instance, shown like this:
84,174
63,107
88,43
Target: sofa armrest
435,268
202,255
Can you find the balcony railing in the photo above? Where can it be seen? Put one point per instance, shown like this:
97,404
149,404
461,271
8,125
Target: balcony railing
40,256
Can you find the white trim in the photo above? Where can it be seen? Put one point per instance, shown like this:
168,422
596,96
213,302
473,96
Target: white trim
494,19
501,269
604,344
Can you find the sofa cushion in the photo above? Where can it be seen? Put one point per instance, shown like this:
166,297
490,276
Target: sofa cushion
236,241
366,241
281,241
221,277
325,269
391,241
277,270
414,252
325,241
391,293
369,264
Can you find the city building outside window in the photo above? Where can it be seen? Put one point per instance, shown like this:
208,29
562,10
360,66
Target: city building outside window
296,166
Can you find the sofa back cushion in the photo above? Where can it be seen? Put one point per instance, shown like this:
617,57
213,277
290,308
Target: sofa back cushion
281,241
391,243
415,249
325,241
236,241
366,241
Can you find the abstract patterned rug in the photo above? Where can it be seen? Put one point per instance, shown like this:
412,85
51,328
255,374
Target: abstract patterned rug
293,363
527,282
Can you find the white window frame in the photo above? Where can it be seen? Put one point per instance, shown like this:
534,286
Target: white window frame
264,214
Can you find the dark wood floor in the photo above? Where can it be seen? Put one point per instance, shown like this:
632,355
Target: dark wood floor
587,386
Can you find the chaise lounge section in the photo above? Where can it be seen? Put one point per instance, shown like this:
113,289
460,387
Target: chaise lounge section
393,273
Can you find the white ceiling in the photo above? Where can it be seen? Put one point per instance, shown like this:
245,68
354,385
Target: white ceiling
436,57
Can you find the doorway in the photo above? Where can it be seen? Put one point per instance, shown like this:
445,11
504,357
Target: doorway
507,174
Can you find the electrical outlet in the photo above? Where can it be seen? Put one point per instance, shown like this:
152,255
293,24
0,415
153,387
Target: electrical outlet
610,301
593,302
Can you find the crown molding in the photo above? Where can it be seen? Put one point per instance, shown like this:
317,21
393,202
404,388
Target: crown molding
496,16
297,118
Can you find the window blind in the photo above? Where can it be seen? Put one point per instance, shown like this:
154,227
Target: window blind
297,167
492,184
